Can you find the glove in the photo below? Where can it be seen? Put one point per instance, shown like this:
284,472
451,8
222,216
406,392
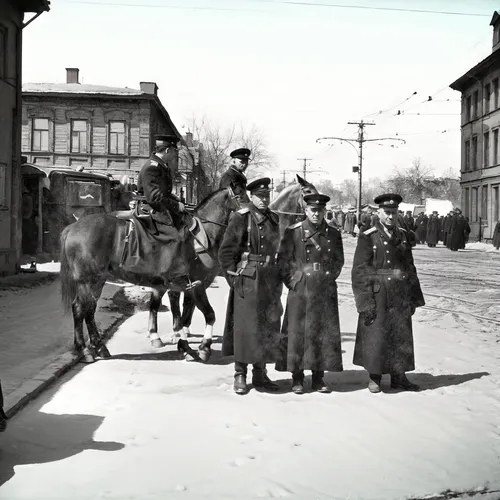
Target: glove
182,208
369,317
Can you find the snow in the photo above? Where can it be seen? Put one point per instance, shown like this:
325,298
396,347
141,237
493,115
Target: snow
148,425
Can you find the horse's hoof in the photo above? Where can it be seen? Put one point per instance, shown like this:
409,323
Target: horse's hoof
189,353
204,350
88,356
158,343
103,352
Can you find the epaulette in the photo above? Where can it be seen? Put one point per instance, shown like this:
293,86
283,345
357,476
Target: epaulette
296,225
370,231
243,210
154,163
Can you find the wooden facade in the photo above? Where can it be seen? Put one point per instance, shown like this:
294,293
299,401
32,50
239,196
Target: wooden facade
12,14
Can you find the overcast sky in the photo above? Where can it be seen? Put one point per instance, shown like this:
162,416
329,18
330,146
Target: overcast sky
297,72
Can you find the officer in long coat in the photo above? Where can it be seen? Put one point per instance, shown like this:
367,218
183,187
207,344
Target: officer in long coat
387,292
234,176
433,229
247,257
310,259
459,231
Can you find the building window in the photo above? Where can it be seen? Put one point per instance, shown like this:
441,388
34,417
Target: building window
78,136
468,110
474,153
466,202
467,156
487,98
495,147
3,185
484,203
475,105
117,138
486,149
475,208
3,51
496,203
40,136
495,92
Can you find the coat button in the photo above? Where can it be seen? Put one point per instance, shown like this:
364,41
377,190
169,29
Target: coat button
385,242
262,246
308,251
329,241
388,262
328,272
387,251
374,246
308,274
262,236
260,227
389,279
329,249
261,263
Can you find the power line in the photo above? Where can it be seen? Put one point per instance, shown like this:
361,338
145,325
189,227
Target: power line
366,7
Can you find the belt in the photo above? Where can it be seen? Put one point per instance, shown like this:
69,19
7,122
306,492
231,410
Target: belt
260,258
314,267
393,273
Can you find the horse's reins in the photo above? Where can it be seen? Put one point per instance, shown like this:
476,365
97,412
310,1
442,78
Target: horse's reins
233,197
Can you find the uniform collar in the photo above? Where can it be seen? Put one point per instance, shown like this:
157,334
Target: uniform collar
159,160
385,233
261,217
238,172
322,228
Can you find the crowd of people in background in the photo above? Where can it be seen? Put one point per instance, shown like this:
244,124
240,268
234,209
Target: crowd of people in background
452,229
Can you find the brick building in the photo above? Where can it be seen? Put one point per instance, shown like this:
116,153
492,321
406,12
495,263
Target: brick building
103,129
12,14
480,124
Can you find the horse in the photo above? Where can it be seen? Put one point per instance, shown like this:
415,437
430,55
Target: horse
289,205
91,250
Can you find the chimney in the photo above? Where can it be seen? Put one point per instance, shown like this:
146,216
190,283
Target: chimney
189,139
149,88
72,75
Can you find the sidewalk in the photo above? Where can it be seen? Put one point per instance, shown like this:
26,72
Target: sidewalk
36,336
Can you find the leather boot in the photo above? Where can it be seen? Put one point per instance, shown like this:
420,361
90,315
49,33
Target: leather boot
260,380
374,384
298,382
318,383
400,381
240,384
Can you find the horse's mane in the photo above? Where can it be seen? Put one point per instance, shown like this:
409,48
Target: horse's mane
208,198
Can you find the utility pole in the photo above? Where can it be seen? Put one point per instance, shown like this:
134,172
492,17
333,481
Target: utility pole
359,150
305,160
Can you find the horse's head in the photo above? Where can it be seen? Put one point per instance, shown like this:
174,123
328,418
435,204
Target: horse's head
305,188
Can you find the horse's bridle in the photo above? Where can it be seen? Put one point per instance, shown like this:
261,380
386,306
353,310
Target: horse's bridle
232,197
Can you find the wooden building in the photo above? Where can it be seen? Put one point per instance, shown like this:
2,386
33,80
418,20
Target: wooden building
480,124
12,23
99,129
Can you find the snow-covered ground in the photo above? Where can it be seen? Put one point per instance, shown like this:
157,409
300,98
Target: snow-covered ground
146,425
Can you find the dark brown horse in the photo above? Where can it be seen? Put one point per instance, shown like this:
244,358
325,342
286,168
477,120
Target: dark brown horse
91,251
290,207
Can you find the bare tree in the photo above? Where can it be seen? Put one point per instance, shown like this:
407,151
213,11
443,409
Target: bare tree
261,161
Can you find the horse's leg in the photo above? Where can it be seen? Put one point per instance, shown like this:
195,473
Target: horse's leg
154,307
203,304
187,313
95,339
80,310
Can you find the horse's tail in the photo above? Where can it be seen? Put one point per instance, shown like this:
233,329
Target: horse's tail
68,284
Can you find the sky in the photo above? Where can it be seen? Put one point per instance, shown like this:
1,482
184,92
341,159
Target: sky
296,70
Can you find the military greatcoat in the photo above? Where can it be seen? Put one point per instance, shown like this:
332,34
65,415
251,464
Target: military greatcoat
384,280
233,178
310,260
433,230
254,307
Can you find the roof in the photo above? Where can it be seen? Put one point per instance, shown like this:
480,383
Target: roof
49,89
481,69
495,17
48,171
79,88
33,5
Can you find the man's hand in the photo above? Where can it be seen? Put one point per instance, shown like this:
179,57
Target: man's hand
369,317
182,208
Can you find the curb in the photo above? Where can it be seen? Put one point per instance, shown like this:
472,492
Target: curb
32,388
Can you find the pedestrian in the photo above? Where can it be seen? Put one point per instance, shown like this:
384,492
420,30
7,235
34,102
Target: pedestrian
387,292
421,227
459,231
496,236
350,221
234,176
365,219
310,259
3,416
446,227
433,229
247,258
410,221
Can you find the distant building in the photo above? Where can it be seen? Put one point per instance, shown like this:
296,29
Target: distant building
103,129
11,34
480,123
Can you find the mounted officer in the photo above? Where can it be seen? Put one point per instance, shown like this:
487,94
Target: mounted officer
234,176
160,216
387,292
247,257
310,259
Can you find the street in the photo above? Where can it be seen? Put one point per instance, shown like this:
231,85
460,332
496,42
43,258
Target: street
148,425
